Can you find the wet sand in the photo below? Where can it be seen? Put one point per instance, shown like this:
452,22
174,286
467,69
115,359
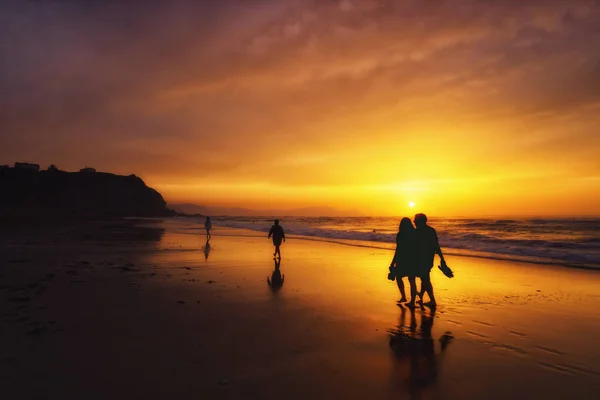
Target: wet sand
109,311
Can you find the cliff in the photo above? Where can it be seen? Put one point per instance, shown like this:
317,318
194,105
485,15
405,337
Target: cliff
57,194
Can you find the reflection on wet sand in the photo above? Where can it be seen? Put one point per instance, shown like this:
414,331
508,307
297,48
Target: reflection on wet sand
276,280
414,348
206,249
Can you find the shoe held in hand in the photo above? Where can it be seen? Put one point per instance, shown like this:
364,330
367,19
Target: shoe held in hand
392,274
446,270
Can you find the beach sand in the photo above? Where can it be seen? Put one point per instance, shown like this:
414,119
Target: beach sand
108,310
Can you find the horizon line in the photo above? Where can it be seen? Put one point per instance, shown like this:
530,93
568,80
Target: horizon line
402,216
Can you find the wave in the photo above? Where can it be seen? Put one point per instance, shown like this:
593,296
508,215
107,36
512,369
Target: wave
572,242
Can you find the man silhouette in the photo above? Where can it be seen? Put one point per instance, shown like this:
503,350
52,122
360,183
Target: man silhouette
427,247
278,235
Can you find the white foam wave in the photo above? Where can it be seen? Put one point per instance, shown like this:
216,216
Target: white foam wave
573,243
585,253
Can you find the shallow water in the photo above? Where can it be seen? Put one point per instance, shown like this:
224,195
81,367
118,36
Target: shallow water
573,241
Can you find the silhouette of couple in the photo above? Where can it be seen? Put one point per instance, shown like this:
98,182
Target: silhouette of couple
415,252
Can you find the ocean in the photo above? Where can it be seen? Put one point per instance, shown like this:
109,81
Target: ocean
573,241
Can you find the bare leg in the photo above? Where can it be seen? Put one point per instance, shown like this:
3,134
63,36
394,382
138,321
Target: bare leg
421,290
277,251
413,290
429,289
400,283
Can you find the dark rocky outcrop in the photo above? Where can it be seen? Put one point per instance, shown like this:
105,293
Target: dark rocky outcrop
58,195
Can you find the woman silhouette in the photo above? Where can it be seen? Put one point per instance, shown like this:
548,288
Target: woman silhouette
404,263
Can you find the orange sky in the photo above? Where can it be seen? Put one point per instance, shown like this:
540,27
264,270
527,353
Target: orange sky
464,107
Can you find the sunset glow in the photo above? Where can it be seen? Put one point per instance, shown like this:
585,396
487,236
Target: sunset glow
370,107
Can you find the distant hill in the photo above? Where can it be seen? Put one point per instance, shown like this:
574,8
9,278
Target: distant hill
247,212
54,194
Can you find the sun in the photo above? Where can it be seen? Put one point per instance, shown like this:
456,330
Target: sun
411,204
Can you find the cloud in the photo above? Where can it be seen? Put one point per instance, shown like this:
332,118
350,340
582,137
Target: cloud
254,89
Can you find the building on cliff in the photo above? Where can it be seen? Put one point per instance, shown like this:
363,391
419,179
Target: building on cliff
27,166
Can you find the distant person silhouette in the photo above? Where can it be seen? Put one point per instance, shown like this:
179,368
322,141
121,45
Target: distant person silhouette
276,281
427,247
404,263
208,227
418,348
278,235
206,249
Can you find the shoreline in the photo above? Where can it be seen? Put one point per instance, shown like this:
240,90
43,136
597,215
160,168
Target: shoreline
159,315
454,251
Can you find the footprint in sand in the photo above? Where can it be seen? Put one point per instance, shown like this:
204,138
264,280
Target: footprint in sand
508,348
568,369
550,350
517,333
483,323
481,335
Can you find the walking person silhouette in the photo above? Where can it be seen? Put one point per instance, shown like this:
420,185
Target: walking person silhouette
278,235
404,263
208,227
427,247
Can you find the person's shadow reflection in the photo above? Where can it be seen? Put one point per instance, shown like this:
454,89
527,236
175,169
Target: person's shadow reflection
206,249
276,280
415,351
